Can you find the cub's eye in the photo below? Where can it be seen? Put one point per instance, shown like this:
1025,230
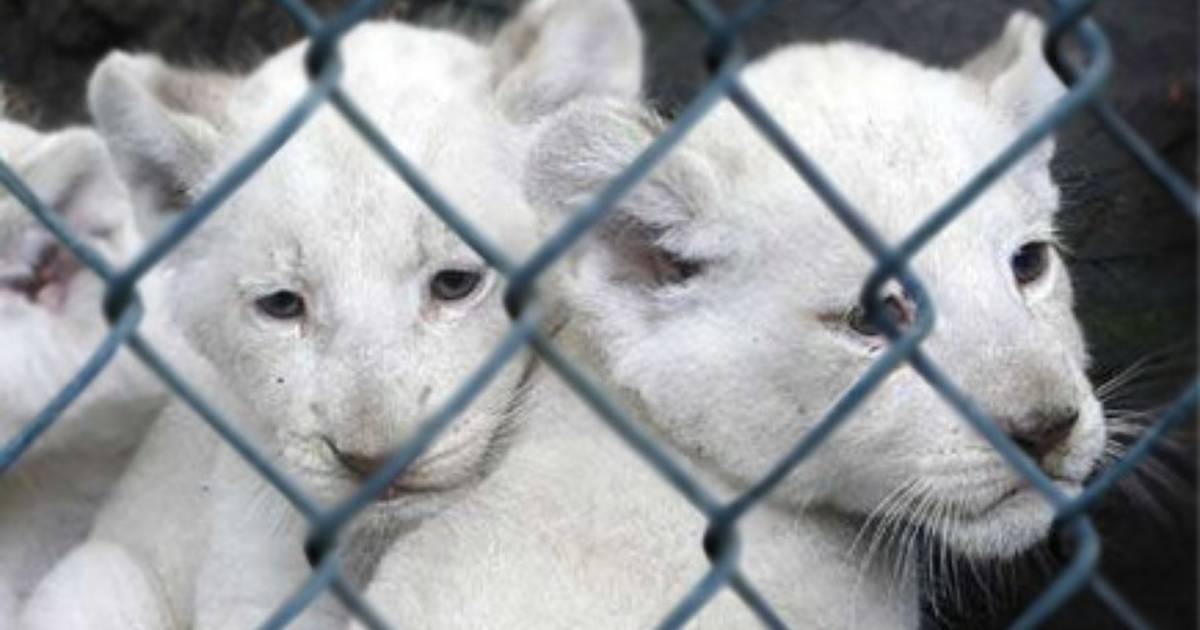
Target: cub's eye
857,320
900,310
668,268
1030,262
281,305
452,285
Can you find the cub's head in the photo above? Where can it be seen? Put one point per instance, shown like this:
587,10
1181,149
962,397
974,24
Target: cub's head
341,311
725,293
50,315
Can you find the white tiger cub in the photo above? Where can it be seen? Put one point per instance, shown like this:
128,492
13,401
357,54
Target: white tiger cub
50,323
335,310
722,294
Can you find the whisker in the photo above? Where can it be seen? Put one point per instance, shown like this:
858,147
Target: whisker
1155,364
888,514
873,517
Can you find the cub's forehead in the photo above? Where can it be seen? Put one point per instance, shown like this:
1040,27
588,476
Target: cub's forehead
428,93
897,139
393,71
330,191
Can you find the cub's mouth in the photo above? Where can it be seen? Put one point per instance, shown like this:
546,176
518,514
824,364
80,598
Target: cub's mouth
1022,488
423,478
403,487
1013,520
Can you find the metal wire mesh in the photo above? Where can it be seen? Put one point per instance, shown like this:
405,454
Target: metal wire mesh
124,309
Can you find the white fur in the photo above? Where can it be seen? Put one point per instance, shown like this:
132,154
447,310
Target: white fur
735,364
574,530
49,497
212,544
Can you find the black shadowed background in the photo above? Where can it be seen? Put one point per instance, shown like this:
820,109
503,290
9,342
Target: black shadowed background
1132,253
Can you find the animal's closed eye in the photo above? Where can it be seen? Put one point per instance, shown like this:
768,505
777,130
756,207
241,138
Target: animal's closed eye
1030,262
24,282
281,305
51,264
453,285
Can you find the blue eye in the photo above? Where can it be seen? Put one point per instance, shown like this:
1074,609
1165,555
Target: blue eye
452,285
282,305
1030,262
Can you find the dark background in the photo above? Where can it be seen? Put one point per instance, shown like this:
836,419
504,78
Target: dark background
1133,254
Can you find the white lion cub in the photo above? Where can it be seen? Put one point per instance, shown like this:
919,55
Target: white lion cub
50,323
336,310
723,294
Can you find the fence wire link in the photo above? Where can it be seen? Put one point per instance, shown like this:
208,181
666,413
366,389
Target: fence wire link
1074,529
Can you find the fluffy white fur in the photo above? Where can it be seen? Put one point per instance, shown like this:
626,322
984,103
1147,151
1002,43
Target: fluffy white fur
574,530
721,295
50,323
201,540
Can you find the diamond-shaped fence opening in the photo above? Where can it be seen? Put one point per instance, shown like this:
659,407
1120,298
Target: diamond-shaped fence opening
725,59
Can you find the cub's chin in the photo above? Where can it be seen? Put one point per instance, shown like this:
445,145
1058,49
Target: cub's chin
1014,522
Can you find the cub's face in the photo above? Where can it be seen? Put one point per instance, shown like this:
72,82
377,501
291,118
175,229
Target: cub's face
344,313
725,293
340,310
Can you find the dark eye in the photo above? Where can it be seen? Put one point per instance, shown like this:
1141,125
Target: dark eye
857,320
668,268
451,285
899,310
1030,262
281,305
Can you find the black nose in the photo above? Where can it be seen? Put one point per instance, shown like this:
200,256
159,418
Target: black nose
1041,432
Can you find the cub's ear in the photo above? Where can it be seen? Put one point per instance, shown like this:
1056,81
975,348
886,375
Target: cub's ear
1013,71
648,240
555,51
72,172
163,127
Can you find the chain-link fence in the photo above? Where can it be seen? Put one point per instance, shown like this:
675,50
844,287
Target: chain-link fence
725,57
